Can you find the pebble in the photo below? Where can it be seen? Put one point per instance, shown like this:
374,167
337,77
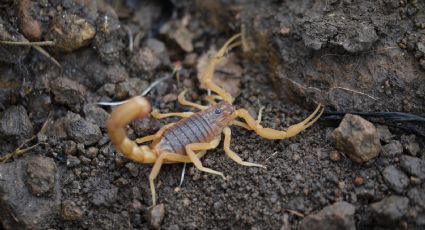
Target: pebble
390,210
14,121
410,144
41,175
413,166
132,168
70,211
105,197
96,115
70,32
384,133
92,152
28,24
358,181
358,138
72,161
339,215
80,130
417,196
70,148
130,88
395,179
68,92
392,149
334,155
156,215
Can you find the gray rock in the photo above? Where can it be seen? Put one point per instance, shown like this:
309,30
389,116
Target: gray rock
384,133
339,215
80,130
413,166
130,88
105,197
392,149
410,144
72,161
389,210
19,208
417,196
96,115
395,178
14,121
68,92
156,215
358,138
41,175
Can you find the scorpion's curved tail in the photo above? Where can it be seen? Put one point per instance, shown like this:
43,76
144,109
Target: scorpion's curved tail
135,108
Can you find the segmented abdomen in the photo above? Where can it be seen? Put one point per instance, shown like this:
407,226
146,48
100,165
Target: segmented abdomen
194,129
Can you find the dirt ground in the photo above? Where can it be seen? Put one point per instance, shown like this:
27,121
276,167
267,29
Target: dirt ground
352,56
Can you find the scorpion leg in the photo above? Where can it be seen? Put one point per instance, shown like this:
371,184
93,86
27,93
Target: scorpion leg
208,75
154,136
163,157
182,100
190,148
273,134
157,115
232,155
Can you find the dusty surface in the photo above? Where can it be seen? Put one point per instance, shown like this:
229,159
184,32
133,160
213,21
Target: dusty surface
74,178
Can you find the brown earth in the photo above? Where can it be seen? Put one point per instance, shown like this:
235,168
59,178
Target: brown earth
363,56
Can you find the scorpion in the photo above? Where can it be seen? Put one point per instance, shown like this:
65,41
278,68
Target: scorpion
187,140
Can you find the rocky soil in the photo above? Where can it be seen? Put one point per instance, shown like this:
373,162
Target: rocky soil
58,169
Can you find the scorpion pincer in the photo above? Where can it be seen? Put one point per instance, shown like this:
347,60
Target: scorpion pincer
187,140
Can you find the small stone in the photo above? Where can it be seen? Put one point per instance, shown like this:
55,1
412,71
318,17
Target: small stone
390,210
72,161
159,49
395,178
296,157
410,144
70,148
70,32
132,168
358,181
358,138
339,215
384,133
92,152
121,182
417,196
70,211
28,23
334,155
68,92
130,88
413,166
105,197
14,121
96,115
392,149
156,215
190,60
41,177
80,130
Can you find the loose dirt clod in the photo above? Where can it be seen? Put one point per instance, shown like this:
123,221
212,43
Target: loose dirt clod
80,130
395,178
389,210
68,92
156,215
15,122
340,215
41,175
70,32
29,25
358,138
70,211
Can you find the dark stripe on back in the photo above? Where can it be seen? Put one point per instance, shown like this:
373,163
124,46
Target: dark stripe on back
195,135
205,123
169,141
202,128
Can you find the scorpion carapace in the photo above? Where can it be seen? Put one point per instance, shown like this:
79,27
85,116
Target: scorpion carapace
188,139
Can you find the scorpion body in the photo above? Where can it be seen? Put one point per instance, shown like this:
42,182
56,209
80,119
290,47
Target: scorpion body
188,139
201,127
